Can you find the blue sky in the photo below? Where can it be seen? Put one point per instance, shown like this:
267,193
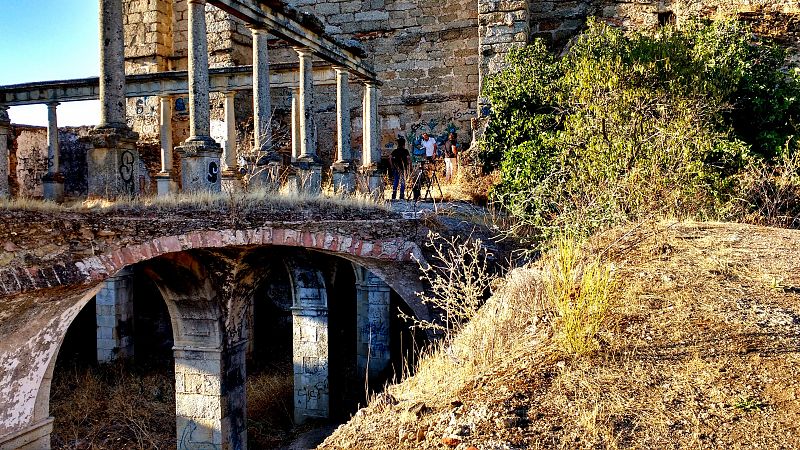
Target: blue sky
42,40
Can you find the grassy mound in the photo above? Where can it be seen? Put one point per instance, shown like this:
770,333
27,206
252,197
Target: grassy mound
697,348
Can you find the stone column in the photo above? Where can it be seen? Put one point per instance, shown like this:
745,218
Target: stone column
229,151
53,181
210,401
262,107
373,311
230,176
309,344
344,180
5,132
308,163
295,124
114,314
164,178
200,154
292,182
113,162
371,154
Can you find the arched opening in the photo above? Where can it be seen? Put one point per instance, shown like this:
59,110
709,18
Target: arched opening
269,365
125,401
346,393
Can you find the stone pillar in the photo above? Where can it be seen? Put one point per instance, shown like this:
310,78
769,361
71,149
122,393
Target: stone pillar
344,180
229,151
112,162
230,176
114,314
164,178
309,167
262,108
497,37
371,154
309,344
295,124
210,400
5,132
373,311
200,154
53,181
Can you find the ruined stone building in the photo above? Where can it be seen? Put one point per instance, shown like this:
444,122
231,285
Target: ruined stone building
429,56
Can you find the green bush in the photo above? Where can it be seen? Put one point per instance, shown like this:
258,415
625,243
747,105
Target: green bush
625,125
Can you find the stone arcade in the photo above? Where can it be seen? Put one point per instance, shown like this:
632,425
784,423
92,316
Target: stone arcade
208,276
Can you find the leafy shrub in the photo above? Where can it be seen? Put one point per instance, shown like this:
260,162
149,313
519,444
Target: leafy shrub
625,125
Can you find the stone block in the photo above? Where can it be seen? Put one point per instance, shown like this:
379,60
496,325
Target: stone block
371,15
198,406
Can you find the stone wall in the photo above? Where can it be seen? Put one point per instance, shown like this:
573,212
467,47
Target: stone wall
28,160
424,52
504,24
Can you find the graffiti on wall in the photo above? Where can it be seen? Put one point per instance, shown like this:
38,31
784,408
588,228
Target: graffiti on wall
127,160
437,127
213,172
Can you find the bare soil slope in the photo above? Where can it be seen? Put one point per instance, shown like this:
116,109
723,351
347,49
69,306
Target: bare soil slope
701,349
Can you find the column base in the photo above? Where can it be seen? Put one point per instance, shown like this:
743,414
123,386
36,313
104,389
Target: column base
344,178
309,175
34,437
113,163
200,165
267,174
53,187
373,181
231,181
165,184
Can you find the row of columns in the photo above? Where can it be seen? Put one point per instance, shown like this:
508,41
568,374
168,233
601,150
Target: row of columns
201,361
113,162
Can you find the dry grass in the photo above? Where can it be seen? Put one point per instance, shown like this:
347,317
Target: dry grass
243,201
120,406
269,408
699,350
112,407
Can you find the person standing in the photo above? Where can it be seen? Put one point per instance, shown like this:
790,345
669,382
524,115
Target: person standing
430,147
400,161
450,155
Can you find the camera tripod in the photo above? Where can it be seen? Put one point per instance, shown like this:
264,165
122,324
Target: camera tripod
426,179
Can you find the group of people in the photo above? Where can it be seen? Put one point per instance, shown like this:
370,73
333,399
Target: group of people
400,160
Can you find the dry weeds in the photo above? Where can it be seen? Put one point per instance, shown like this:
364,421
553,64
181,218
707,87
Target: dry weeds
242,201
122,406
700,350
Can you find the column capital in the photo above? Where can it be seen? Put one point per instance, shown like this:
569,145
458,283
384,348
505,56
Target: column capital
228,94
258,29
303,51
371,83
53,104
341,69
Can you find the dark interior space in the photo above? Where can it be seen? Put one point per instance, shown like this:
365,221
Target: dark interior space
346,393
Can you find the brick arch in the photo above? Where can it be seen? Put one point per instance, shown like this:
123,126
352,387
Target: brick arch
98,268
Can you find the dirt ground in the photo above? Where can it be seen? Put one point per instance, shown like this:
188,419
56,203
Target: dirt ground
701,349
